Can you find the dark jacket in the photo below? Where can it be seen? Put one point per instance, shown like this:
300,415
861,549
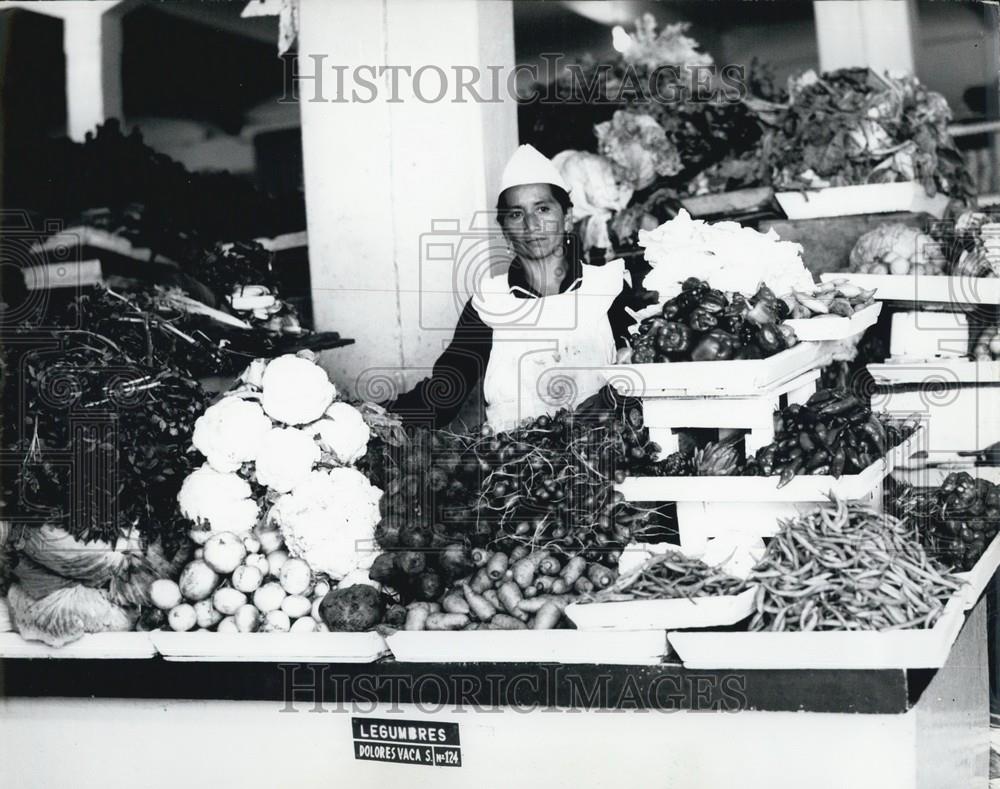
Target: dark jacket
437,400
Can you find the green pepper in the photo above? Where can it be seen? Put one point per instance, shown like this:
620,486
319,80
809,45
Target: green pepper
731,320
715,345
762,314
788,335
674,338
769,339
715,300
702,320
680,306
764,294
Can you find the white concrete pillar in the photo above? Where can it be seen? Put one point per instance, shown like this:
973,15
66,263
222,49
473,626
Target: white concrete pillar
93,44
874,33
384,163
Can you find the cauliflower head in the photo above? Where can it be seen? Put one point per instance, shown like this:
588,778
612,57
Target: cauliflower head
216,499
286,457
329,521
343,432
295,390
229,433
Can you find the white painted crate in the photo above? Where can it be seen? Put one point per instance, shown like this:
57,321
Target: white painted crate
870,649
861,199
754,413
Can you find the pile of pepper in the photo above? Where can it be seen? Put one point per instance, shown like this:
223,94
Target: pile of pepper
832,433
848,567
702,324
956,521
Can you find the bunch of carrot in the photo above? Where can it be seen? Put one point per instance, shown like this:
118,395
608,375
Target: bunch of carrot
515,591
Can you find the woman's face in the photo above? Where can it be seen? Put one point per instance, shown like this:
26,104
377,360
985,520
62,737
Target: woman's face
533,222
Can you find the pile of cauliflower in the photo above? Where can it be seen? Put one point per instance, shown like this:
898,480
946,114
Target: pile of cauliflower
727,255
280,452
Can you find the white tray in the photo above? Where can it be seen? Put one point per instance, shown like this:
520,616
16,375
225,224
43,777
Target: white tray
947,371
835,327
749,489
861,199
924,287
621,647
979,576
263,647
93,645
97,238
826,649
804,487
733,378
674,614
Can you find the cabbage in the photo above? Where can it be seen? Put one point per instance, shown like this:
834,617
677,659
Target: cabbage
63,616
55,549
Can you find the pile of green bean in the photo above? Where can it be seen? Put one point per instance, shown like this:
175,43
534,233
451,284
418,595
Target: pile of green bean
845,566
667,576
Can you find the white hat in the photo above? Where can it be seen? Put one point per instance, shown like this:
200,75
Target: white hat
528,166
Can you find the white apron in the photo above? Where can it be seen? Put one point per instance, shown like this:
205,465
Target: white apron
548,353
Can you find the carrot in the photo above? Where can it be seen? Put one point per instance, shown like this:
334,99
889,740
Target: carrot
600,575
510,595
454,603
480,556
574,569
549,566
583,585
416,617
506,622
543,584
535,604
494,599
529,591
518,553
481,581
559,586
497,565
524,572
447,621
480,607
548,617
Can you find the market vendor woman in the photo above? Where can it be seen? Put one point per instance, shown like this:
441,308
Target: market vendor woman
542,336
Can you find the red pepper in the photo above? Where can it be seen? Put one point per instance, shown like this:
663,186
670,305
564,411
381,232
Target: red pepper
716,345
703,320
674,338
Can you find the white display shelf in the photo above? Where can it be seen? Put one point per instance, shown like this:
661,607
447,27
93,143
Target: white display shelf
106,646
674,614
620,647
730,378
835,327
938,371
832,649
96,238
925,287
206,646
979,576
861,199
663,414
802,488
